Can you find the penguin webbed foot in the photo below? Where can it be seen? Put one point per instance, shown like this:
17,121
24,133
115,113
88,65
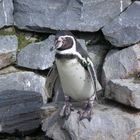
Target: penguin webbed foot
66,110
85,113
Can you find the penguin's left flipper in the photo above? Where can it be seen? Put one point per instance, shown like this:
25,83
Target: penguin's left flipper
87,63
91,70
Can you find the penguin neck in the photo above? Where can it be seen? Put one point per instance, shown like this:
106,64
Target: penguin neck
69,53
65,56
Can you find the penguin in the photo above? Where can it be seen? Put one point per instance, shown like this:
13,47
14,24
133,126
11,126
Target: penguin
77,74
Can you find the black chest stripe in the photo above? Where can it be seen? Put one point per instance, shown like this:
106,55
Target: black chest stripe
71,56
65,56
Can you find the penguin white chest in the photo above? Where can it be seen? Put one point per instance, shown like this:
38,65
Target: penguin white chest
75,80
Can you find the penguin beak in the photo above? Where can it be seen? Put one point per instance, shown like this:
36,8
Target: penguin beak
55,44
58,42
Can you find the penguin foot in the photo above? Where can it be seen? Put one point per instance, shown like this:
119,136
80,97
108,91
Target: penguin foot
66,110
85,114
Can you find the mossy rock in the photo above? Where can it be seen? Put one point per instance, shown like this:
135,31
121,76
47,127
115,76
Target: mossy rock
24,37
8,31
20,35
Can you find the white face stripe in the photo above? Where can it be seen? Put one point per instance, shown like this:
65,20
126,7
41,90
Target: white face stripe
74,43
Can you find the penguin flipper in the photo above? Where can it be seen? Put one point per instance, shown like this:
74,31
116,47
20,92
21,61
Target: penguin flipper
93,76
51,78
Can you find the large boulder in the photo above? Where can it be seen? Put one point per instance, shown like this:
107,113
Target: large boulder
21,96
108,123
120,64
124,30
8,48
37,55
118,69
19,111
126,91
23,81
66,14
6,13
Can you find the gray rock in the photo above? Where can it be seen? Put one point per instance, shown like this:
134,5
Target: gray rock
6,13
23,81
49,119
19,110
37,55
126,91
91,38
67,14
121,64
125,29
108,123
82,43
8,48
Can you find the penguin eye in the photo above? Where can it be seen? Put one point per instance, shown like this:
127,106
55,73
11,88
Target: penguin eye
63,38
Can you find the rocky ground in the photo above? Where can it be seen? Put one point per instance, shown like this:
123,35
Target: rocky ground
108,30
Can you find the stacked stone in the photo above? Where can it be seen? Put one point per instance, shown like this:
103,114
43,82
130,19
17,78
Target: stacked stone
111,32
21,92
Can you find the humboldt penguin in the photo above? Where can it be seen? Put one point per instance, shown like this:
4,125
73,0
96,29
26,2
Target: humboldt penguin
77,74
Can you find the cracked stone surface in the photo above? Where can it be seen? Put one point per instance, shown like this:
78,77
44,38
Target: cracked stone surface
120,64
124,30
107,123
37,55
6,13
19,110
22,94
23,81
79,15
125,91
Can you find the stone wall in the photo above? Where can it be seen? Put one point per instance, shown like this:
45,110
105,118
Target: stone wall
109,31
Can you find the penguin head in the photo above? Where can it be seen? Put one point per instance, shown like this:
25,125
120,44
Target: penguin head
64,40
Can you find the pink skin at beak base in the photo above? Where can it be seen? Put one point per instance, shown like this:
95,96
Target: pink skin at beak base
59,42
